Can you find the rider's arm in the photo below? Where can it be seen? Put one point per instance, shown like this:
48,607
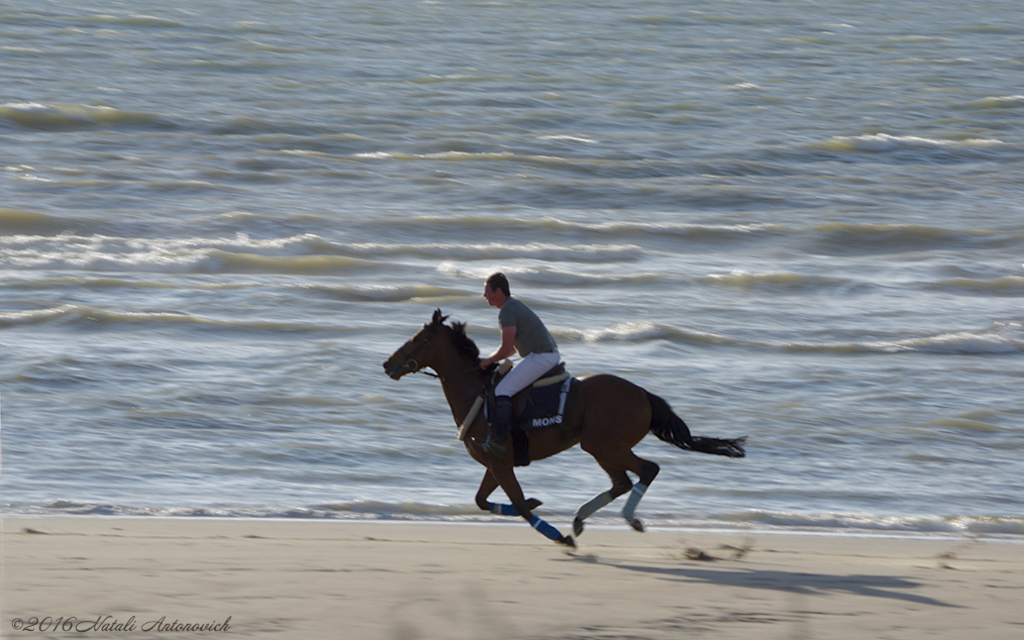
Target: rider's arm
507,348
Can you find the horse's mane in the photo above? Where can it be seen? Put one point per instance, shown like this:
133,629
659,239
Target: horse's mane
463,343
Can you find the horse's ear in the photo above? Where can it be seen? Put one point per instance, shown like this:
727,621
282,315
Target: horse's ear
439,318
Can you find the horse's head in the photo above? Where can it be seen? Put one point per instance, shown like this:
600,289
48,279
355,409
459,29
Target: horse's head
415,353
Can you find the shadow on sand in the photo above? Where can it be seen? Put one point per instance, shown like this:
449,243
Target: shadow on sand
892,587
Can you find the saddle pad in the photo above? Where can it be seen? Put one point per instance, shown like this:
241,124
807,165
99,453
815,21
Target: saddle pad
545,406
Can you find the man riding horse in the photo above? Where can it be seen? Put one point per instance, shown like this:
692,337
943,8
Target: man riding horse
522,331
609,417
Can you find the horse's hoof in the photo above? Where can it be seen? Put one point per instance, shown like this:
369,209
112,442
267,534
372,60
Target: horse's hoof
636,524
533,503
568,541
577,527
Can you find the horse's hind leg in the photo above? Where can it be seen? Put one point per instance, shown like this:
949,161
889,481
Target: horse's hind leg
647,473
620,485
620,462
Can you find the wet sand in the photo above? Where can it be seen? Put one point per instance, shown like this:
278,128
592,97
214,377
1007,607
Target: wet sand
186,578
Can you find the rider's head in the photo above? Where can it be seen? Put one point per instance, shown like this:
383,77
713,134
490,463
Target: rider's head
496,290
498,281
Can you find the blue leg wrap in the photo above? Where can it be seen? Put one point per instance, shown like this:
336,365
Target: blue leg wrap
634,499
546,529
591,507
503,509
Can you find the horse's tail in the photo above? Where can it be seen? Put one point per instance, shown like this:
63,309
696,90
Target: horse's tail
667,426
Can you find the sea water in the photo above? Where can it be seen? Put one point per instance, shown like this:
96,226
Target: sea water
799,222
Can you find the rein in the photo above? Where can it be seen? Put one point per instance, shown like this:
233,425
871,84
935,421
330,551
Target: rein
442,378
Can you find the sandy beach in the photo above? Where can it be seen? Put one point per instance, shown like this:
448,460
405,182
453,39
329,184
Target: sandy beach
159,578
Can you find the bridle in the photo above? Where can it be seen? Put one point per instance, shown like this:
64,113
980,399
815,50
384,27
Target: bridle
413,366
410,358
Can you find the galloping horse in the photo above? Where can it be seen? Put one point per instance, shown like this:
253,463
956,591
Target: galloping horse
610,418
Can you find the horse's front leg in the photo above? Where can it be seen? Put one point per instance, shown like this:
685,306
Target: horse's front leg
487,487
506,479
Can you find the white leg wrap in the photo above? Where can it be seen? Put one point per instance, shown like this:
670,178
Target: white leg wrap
591,507
634,499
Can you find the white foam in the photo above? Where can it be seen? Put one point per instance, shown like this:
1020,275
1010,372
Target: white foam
886,142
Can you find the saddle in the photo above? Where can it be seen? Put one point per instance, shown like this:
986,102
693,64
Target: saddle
542,404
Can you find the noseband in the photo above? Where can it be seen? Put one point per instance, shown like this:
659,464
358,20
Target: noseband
410,358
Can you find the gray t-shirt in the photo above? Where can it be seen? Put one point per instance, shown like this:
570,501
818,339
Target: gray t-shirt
531,334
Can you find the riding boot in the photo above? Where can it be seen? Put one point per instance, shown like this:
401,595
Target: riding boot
500,425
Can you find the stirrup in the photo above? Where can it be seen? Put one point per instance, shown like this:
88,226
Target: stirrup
494,448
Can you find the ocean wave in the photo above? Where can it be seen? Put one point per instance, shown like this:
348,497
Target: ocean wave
1001,527
1000,339
608,166
73,117
19,222
387,293
999,102
238,262
73,314
500,251
682,230
354,293
353,510
596,241
882,142
544,275
843,238
966,525
12,51
639,332
304,253
258,127
1011,286
96,282
460,156
775,280
132,20
566,138
618,232
963,424
997,341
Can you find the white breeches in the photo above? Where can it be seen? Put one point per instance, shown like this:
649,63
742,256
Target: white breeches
528,371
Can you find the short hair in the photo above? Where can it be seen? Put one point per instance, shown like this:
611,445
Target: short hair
499,281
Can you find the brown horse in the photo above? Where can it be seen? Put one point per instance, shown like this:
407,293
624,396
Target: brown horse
608,418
